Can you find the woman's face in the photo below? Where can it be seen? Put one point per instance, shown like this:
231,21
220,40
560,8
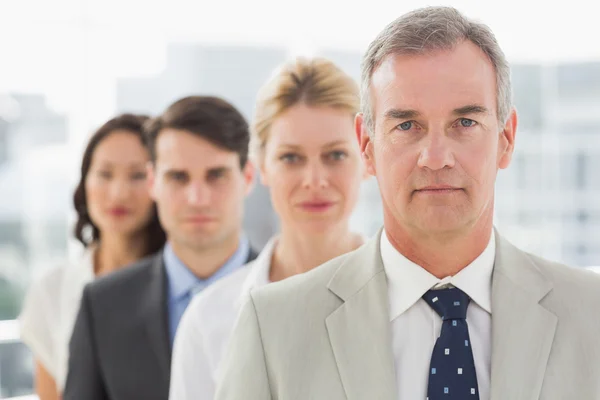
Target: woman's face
312,166
118,199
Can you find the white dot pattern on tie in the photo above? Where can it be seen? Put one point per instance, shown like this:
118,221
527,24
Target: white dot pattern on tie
452,370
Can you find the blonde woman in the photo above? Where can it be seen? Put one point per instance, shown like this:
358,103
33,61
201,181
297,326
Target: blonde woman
304,145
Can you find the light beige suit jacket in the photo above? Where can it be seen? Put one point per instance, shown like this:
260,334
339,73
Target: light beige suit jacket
326,334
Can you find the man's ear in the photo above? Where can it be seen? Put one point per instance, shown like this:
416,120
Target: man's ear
249,172
507,140
365,144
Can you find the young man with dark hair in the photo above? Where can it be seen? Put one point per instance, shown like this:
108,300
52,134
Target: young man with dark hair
199,176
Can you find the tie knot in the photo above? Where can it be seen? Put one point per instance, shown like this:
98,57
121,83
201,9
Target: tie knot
450,303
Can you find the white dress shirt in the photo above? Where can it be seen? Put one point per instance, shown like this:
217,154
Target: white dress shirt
49,313
416,326
206,326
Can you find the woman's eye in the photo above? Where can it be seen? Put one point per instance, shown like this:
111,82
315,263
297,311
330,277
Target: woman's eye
290,158
337,155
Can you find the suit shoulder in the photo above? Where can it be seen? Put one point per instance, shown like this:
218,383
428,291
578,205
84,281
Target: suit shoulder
310,286
123,279
576,282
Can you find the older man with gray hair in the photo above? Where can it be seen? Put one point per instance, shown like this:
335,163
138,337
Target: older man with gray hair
438,305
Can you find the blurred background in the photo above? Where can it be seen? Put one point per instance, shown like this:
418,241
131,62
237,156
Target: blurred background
67,66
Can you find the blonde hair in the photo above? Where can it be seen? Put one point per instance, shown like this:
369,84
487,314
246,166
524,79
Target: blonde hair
315,82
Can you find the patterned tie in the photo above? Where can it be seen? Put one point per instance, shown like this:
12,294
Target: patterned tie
452,372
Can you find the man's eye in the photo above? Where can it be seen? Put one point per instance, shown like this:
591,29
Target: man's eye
467,123
405,126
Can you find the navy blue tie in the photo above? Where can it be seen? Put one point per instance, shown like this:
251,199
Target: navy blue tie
452,371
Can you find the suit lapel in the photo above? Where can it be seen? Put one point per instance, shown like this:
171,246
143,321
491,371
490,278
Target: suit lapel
522,329
156,313
155,316
359,330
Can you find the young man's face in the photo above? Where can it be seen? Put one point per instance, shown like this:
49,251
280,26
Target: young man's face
199,189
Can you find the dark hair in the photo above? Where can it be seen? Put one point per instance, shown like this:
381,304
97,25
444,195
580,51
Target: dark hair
155,236
208,117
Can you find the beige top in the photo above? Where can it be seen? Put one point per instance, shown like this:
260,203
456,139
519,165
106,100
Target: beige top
49,313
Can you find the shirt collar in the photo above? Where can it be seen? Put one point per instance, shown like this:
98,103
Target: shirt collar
260,269
408,282
182,280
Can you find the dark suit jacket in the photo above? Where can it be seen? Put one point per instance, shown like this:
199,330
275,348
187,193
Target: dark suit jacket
120,348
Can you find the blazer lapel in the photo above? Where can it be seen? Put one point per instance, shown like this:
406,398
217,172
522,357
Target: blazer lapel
156,313
359,330
522,329
155,316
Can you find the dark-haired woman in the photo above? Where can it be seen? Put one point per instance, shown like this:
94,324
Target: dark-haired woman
117,224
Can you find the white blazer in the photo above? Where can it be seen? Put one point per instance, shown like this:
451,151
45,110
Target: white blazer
325,334
49,312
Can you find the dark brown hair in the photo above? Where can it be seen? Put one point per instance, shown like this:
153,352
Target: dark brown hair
208,117
155,236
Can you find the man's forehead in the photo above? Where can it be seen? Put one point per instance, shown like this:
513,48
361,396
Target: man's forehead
175,145
196,162
421,82
196,168
418,71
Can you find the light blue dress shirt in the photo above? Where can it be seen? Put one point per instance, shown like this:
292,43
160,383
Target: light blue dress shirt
183,284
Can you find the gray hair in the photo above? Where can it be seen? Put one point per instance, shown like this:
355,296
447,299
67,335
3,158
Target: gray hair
429,29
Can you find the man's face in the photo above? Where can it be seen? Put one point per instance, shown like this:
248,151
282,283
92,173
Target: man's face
199,189
437,144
